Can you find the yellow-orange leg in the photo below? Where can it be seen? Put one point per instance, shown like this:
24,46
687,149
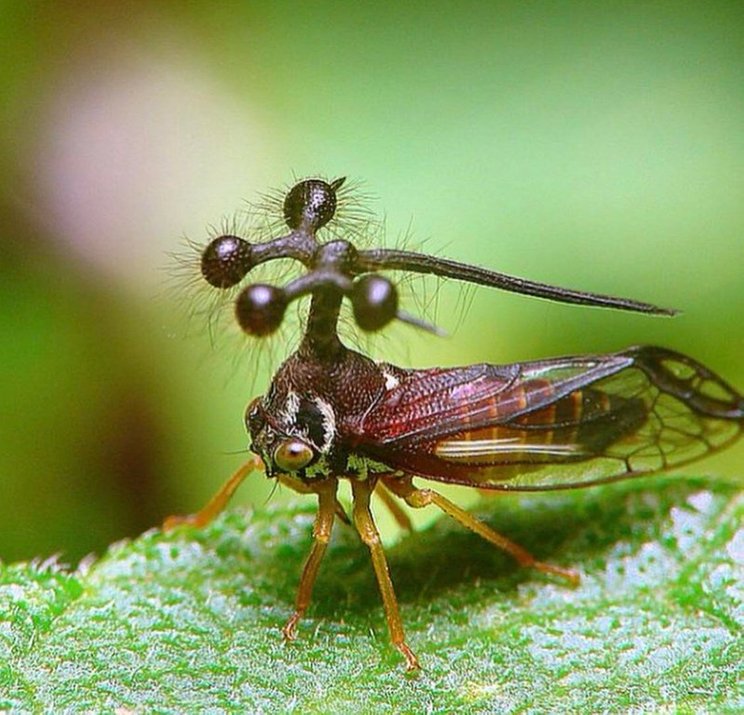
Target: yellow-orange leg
401,518
365,524
301,487
419,498
326,491
219,501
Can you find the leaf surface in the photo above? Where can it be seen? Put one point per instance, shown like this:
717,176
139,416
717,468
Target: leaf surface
189,621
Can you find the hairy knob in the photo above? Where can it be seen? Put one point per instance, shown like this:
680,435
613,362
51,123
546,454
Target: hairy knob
260,309
375,302
311,204
226,260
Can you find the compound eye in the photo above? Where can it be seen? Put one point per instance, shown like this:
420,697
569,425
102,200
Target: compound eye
292,455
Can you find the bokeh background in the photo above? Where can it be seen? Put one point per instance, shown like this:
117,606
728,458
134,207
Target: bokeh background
593,145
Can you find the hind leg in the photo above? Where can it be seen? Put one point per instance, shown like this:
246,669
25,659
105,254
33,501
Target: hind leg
419,498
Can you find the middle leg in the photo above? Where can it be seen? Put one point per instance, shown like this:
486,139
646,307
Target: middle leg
365,524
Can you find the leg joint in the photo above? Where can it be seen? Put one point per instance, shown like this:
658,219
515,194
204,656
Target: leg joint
322,535
367,531
419,498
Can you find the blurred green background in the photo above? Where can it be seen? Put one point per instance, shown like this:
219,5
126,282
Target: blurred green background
593,145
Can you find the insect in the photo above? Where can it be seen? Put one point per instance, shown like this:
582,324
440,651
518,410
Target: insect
332,413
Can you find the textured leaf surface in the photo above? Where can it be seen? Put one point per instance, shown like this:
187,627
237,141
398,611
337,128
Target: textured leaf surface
190,621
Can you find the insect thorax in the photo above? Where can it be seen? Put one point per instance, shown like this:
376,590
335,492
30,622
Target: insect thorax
320,404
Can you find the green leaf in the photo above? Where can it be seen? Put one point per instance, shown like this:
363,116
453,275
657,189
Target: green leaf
189,621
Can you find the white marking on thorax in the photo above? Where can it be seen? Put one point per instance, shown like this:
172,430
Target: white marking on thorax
329,424
391,381
291,408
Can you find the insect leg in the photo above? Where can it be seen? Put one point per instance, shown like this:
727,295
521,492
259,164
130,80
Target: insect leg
365,524
300,487
326,491
218,502
418,498
401,518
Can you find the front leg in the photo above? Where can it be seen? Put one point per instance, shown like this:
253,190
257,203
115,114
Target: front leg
296,484
218,502
326,491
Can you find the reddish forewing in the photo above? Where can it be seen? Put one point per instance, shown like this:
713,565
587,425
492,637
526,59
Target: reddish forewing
550,424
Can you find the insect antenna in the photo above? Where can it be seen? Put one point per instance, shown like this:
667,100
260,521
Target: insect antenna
274,488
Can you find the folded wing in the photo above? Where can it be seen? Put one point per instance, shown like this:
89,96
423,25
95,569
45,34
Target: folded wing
553,424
